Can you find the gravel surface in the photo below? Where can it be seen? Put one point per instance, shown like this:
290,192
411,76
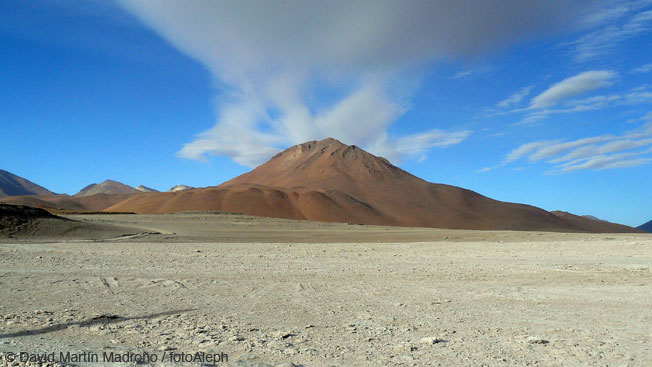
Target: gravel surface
460,298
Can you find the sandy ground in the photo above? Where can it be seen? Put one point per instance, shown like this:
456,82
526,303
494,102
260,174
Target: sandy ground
272,292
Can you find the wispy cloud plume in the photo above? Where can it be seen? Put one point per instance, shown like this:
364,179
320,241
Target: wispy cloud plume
611,25
643,69
570,87
461,74
279,59
527,149
515,98
629,149
647,117
638,95
416,145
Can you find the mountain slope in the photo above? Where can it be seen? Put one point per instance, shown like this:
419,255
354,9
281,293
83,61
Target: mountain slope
143,188
589,223
95,197
330,181
107,187
13,185
179,188
93,203
17,221
647,227
403,198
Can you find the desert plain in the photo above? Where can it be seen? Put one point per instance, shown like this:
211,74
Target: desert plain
270,292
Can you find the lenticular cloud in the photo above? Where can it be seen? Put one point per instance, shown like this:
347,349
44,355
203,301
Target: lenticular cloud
299,70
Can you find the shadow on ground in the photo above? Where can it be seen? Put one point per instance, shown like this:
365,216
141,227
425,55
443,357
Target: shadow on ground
97,320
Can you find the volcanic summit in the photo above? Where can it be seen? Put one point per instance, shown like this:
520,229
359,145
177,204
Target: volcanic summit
330,181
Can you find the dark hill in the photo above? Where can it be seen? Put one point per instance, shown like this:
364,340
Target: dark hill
13,185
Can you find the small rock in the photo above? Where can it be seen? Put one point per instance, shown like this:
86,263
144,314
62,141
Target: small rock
237,338
431,340
283,334
287,364
536,340
291,351
406,347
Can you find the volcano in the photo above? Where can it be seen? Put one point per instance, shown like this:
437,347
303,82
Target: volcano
647,227
107,187
330,181
12,185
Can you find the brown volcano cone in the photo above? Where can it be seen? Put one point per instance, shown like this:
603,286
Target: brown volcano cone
330,181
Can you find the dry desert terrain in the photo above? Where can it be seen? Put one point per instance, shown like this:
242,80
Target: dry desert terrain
269,292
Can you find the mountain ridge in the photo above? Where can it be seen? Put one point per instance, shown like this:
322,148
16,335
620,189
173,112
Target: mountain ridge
107,187
180,188
647,227
14,185
330,181
143,188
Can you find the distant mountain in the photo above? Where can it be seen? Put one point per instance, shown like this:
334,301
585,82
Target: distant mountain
589,223
647,227
13,185
180,188
91,203
333,182
107,187
142,188
95,197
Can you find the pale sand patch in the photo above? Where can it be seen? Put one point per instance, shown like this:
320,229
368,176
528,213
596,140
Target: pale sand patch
256,290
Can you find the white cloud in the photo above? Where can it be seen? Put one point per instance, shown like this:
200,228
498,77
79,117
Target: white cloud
526,149
616,22
643,69
603,162
461,74
597,152
515,98
555,149
594,101
588,151
415,146
647,117
362,118
570,87
636,95
234,138
276,58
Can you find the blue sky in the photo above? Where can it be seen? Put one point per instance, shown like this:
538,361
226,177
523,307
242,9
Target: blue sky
547,103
